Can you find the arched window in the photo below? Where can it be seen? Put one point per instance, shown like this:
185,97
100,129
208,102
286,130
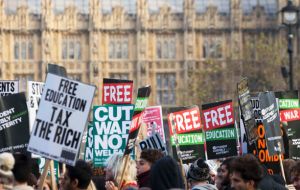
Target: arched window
166,49
78,50
158,49
71,50
111,49
125,49
30,50
16,50
172,49
23,50
64,50
119,50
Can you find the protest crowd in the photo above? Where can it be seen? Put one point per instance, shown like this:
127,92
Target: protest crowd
49,142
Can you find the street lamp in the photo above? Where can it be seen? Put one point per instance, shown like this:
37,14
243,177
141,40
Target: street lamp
289,15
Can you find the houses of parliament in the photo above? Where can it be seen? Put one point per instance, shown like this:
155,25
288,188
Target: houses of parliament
156,42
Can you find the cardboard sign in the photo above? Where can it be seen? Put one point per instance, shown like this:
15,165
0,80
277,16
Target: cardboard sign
220,132
14,123
8,87
34,90
140,105
57,70
246,110
153,142
111,129
271,121
186,135
152,116
117,91
61,119
89,145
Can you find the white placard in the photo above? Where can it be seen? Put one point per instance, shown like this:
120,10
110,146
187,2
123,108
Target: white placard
8,87
34,90
61,119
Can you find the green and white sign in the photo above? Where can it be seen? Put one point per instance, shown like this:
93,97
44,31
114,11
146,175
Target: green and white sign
288,103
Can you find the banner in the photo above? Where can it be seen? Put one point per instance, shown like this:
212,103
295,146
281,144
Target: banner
14,123
61,119
152,117
153,142
34,90
186,133
116,91
220,132
271,122
8,87
290,121
111,128
246,110
140,105
89,148
57,70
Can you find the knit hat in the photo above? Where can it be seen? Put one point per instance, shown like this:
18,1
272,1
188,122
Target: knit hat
7,162
199,171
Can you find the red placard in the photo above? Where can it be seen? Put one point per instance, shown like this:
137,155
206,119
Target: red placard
117,93
186,120
218,116
290,114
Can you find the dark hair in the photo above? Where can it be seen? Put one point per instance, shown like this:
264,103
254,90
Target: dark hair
288,164
22,167
295,171
82,171
227,163
248,167
151,155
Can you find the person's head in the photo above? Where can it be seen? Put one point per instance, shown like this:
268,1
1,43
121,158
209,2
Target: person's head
77,177
165,174
114,166
147,158
198,172
246,172
287,166
7,162
22,168
295,175
225,171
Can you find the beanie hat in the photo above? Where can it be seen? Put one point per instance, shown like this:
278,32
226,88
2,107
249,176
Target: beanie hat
7,162
199,171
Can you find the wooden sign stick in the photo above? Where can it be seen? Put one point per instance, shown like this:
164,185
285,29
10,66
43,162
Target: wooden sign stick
53,179
44,174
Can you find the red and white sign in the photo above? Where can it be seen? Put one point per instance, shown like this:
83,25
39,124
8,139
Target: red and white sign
117,93
217,117
186,120
290,114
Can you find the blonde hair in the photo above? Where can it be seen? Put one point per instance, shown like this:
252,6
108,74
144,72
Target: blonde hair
116,163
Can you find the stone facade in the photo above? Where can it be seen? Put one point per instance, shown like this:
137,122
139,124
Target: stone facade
157,48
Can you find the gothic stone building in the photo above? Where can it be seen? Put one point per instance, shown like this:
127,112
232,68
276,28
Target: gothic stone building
156,42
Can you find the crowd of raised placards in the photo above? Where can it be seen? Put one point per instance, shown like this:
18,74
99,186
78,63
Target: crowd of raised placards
153,170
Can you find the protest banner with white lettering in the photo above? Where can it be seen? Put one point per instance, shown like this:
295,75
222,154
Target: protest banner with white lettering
111,129
89,144
246,111
34,90
259,148
271,122
152,116
220,132
153,142
116,91
14,123
8,87
187,123
140,105
289,111
61,119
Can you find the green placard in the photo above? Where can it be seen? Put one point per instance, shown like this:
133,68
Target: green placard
141,104
189,139
221,134
288,103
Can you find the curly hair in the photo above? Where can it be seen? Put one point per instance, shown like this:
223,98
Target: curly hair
248,167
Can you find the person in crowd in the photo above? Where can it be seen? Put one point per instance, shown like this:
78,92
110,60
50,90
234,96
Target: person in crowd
77,177
143,165
7,162
224,174
198,176
246,172
295,175
166,174
218,180
288,164
22,171
114,167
